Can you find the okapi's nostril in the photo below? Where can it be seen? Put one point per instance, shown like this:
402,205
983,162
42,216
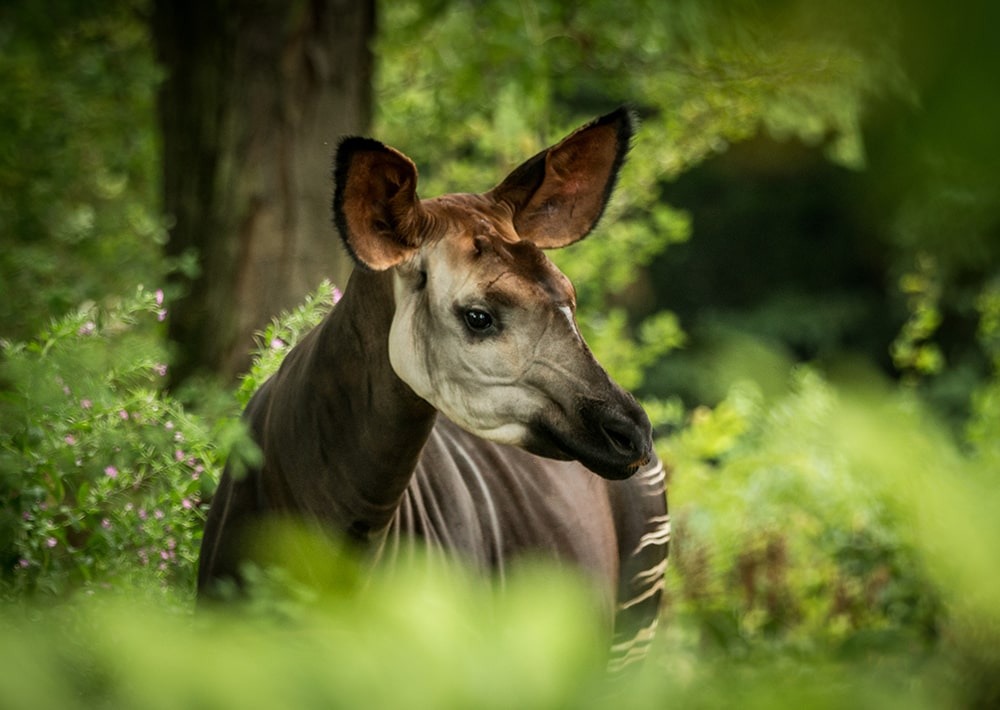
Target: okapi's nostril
621,436
620,428
620,439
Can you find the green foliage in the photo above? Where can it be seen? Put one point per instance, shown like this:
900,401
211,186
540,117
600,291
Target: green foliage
707,73
782,532
78,180
446,642
102,476
627,360
914,352
282,334
836,522
824,616
983,427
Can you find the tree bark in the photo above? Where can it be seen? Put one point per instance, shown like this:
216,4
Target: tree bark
256,95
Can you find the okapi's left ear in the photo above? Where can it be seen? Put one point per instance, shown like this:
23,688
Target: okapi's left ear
375,203
559,195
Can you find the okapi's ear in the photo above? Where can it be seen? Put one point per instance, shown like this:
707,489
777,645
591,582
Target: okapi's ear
375,203
559,195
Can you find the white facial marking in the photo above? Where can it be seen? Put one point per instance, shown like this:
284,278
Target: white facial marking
479,386
568,312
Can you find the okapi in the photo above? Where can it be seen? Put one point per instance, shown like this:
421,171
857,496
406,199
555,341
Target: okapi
450,398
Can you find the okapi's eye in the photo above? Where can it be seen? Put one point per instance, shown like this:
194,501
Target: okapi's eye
478,320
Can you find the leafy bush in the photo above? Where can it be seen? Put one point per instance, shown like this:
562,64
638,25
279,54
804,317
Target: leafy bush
102,475
282,333
418,639
904,496
782,537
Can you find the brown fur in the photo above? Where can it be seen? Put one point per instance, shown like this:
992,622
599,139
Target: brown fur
349,429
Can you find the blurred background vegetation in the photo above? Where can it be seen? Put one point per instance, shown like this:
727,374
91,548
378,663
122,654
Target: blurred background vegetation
799,274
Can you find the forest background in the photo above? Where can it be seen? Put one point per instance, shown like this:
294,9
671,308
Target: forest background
799,274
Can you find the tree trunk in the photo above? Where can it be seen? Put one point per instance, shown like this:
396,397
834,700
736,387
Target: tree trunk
256,95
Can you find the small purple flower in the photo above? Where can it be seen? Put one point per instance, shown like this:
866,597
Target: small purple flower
142,513
70,440
123,415
160,369
87,328
337,295
161,315
51,542
159,296
186,504
105,523
277,343
22,563
111,472
86,404
158,514
26,515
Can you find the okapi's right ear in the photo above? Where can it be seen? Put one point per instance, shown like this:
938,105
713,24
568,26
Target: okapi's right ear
375,203
559,195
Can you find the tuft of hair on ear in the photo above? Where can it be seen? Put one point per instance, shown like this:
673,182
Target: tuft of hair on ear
625,118
347,146
626,121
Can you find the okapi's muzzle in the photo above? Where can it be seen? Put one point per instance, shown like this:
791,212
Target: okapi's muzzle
625,435
613,438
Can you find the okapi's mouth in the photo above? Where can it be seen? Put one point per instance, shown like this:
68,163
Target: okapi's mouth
612,442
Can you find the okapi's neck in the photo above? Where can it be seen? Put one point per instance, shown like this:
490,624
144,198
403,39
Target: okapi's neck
344,431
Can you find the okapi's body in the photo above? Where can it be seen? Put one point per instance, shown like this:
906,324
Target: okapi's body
449,396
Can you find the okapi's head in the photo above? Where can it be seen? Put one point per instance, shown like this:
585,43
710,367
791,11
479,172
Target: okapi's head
484,326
